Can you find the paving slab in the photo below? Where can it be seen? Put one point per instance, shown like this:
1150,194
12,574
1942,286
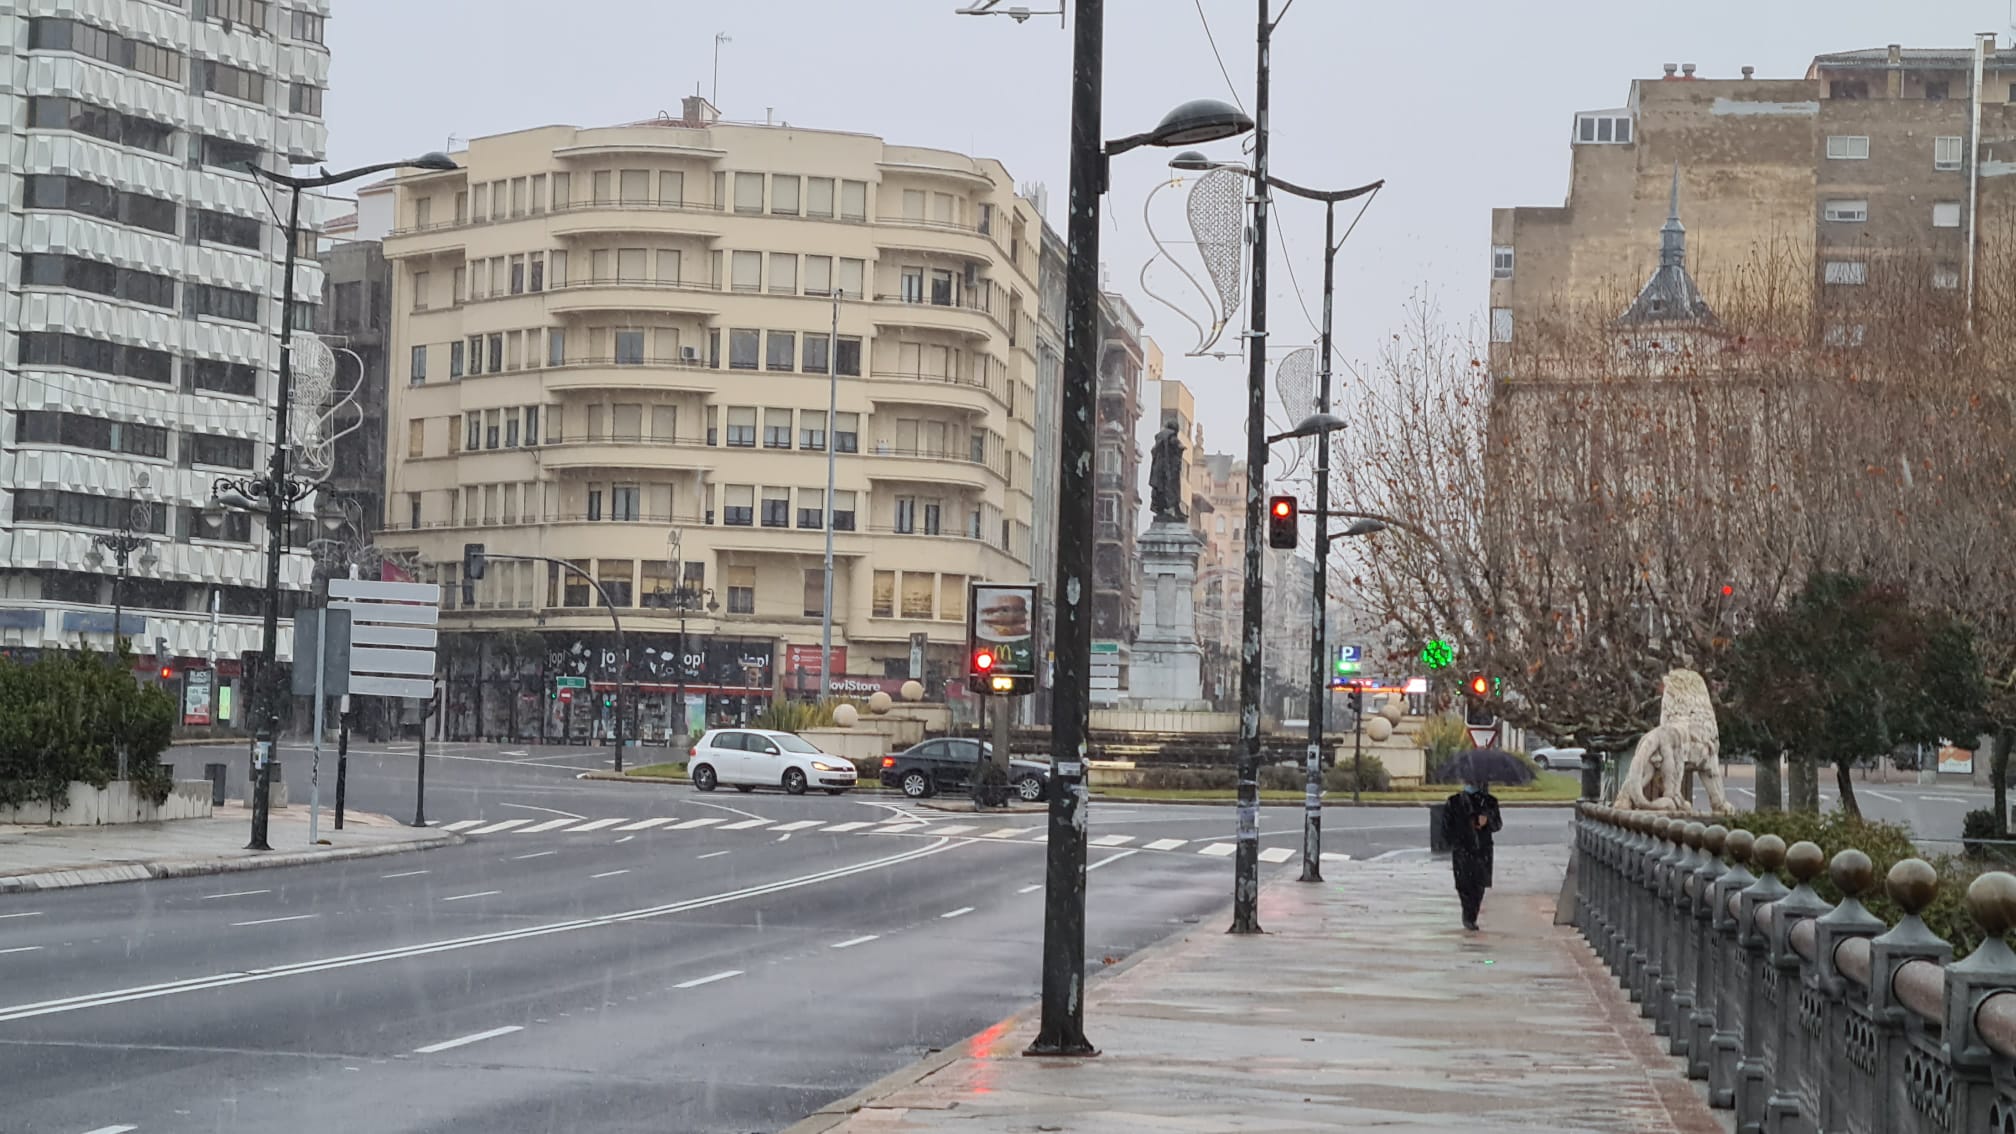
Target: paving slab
48,858
1366,1005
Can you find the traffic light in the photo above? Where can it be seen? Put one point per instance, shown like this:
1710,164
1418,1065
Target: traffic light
1479,686
167,673
1281,526
980,669
1477,712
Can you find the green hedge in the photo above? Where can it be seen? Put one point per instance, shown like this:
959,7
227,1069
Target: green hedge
66,717
1273,777
1885,844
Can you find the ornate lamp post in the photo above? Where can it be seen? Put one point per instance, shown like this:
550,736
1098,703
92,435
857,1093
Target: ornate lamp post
121,545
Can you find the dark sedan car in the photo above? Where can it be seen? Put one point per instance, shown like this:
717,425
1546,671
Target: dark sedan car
947,765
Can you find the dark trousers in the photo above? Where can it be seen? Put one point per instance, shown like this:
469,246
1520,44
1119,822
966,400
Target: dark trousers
1473,899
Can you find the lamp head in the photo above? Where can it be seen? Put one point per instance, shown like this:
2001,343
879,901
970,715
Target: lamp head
149,559
434,160
1365,527
1198,121
1195,161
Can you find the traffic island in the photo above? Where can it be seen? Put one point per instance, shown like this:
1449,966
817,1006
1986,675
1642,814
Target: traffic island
54,858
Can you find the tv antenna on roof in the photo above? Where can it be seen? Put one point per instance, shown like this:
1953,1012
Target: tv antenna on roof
719,39
1017,12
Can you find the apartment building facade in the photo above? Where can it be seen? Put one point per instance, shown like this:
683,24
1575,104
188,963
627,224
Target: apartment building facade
1220,573
1116,584
1874,161
141,282
614,346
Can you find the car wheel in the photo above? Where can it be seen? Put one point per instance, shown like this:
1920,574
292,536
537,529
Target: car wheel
916,784
1540,762
704,778
794,781
745,789
1029,788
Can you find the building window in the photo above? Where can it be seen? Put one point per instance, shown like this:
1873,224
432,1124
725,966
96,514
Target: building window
531,425
222,153
819,197
741,590
846,433
741,427
1945,277
776,429
221,377
630,348
746,270
1946,214
224,452
106,47
847,356
906,514
776,507
556,347
42,269
538,272
307,26
742,349
475,438
221,303
1501,261
510,429
104,124
1846,212
1601,129
815,353
81,509
1946,152
1501,324
1848,89
624,500
811,508
1847,147
854,200
1938,91
748,192
81,352
843,510
782,351
738,505
812,430
303,98
883,604
418,372
454,360
784,195
76,195
496,353
233,82
1847,272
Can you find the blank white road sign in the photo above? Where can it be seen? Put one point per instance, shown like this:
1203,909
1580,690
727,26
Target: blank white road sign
392,635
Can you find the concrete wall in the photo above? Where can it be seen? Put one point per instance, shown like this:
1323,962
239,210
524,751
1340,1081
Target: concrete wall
116,802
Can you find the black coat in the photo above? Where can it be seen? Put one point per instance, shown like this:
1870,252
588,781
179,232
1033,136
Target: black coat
1470,845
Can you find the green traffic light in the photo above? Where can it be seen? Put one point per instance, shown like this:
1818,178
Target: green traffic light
1438,654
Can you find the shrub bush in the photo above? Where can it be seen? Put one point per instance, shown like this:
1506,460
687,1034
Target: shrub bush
1442,737
66,718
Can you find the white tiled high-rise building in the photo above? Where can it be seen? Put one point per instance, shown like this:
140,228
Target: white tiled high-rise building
141,272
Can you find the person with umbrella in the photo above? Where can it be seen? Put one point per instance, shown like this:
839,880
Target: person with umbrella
1469,819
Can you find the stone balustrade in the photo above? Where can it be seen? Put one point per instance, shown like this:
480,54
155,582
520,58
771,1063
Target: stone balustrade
1801,1015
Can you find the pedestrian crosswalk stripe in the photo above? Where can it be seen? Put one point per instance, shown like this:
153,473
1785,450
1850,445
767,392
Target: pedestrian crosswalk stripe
595,825
1277,854
1218,850
954,829
1165,844
1006,832
496,827
1112,840
692,823
549,825
745,824
798,826
838,827
1333,856
646,824
463,825
893,827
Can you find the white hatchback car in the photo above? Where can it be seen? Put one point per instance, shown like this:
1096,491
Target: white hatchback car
749,758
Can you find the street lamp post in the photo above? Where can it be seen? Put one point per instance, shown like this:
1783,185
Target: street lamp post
276,492
832,411
1062,1030
121,545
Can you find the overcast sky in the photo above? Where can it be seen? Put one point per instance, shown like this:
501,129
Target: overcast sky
1461,105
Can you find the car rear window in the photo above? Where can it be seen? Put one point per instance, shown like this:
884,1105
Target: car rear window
730,740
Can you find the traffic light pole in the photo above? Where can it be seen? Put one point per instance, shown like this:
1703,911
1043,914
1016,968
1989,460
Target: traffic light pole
1319,632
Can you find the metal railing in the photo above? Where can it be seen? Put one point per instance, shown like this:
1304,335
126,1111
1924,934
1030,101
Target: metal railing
1803,1014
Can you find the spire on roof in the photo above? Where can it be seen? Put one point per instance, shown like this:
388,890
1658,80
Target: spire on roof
1670,296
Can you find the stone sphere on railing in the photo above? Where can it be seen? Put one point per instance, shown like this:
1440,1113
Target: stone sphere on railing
1852,872
1714,838
1912,884
1675,828
1739,845
880,702
1805,860
913,690
1378,729
1693,833
1769,851
1991,900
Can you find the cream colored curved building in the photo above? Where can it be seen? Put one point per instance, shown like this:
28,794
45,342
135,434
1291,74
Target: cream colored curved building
606,336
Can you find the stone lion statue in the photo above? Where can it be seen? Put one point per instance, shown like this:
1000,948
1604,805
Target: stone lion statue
1687,740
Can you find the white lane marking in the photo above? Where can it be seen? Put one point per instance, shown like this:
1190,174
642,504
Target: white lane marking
465,824
460,1041
647,824
725,807
514,752
548,825
478,894
547,810
1947,798
1748,792
21,949
1276,854
272,920
1333,856
624,839
1112,841
593,825
1166,844
1880,795
1007,832
1112,859
898,825
798,826
232,894
112,1130
853,941
31,913
1030,889
1218,850
9,1013
696,982
745,824
712,854
692,823
502,826
962,911
954,829
1390,855
404,874
534,854
839,827
609,873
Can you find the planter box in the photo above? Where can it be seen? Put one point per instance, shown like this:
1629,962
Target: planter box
116,802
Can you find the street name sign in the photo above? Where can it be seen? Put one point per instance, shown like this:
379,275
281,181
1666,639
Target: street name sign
392,635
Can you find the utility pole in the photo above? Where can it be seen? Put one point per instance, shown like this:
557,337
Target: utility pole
832,411
1246,857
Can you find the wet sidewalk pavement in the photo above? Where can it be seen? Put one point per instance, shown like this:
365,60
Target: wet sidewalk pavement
47,858
1366,1005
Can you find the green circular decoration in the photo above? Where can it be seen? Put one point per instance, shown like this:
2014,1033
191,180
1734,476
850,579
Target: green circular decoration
1438,654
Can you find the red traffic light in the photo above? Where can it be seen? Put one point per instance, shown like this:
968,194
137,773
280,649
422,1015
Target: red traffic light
1281,527
983,660
167,673
1283,506
1727,590
1479,685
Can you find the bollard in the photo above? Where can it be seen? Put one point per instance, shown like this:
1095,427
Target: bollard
215,774
1436,843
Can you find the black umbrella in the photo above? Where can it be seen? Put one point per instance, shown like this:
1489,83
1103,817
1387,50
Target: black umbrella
1486,765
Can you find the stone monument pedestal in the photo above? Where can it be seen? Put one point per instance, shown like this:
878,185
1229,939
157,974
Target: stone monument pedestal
1168,665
